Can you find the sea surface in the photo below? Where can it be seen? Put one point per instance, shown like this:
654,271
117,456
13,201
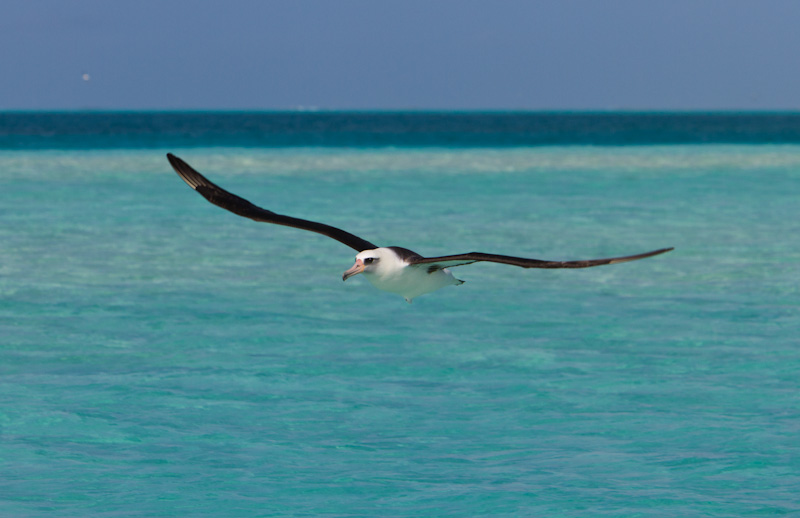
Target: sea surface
160,356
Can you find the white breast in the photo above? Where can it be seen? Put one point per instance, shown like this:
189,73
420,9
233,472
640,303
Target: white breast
409,281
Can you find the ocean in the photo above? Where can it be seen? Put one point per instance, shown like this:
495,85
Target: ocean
160,356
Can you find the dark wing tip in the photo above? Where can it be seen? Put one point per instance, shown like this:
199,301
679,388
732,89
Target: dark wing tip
186,172
216,194
641,256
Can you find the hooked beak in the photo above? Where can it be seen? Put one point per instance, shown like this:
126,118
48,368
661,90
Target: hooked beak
355,270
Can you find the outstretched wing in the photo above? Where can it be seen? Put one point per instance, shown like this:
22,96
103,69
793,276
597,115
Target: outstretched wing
228,201
449,261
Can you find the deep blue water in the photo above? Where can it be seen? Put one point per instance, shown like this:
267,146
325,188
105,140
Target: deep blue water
100,130
162,357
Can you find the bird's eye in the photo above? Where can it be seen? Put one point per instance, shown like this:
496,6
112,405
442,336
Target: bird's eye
369,260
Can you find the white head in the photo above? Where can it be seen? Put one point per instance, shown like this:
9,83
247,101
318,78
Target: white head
371,262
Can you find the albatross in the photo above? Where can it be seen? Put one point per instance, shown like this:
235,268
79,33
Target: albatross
390,268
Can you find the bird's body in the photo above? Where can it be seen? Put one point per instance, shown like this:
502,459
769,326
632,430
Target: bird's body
393,269
390,269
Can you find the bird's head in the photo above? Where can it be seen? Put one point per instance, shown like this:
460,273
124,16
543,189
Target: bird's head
368,261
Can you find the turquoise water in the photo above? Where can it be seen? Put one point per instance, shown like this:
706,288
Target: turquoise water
162,357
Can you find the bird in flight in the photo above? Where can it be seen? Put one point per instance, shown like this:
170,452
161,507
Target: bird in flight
392,268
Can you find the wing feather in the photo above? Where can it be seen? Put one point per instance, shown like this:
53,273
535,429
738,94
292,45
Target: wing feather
229,201
450,261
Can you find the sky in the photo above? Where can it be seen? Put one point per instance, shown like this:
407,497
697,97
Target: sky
549,55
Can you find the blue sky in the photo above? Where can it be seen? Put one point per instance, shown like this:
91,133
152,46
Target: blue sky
412,54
